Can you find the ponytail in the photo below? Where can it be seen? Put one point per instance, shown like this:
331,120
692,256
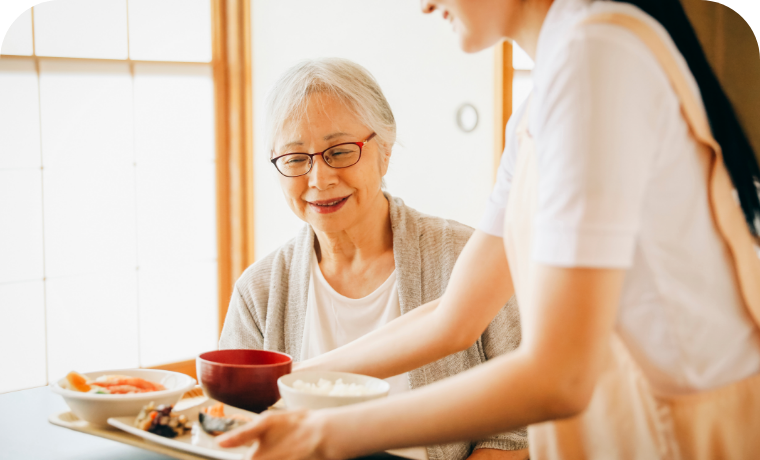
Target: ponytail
738,155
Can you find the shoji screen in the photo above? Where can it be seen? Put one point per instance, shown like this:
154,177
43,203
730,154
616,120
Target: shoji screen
108,252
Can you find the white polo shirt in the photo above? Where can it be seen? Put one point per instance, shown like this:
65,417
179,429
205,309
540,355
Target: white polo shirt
621,186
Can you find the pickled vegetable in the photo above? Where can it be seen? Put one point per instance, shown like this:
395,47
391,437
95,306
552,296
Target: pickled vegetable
162,421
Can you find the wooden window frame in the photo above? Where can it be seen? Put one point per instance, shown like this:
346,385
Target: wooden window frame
234,143
504,74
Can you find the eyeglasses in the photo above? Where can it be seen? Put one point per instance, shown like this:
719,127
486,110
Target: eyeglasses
338,157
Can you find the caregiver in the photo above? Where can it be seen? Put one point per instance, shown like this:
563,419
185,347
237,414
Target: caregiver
630,236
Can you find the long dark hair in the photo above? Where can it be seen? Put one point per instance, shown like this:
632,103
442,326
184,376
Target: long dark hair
738,155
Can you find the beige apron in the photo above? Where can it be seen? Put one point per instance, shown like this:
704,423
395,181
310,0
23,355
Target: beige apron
625,419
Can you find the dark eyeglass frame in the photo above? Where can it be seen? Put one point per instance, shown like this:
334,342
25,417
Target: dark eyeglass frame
322,153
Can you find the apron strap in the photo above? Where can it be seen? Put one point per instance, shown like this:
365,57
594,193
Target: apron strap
726,212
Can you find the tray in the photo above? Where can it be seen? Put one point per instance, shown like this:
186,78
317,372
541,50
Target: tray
193,399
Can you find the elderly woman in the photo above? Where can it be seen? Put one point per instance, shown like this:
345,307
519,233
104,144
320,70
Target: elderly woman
363,258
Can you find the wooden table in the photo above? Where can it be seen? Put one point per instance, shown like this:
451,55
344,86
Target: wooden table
25,433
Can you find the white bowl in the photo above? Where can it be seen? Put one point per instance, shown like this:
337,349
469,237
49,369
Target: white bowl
296,399
97,408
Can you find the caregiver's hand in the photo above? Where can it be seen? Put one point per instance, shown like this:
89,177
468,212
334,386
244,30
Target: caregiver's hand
291,435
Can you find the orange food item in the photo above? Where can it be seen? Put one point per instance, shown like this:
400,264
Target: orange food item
214,422
216,410
120,384
125,390
111,384
78,382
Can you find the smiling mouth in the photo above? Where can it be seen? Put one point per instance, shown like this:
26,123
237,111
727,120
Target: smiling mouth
327,206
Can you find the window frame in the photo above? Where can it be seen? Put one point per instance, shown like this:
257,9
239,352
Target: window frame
504,73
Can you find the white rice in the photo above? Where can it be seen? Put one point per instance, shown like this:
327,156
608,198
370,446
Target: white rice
326,387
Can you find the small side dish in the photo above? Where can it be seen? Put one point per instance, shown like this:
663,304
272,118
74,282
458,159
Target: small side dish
214,422
191,437
162,421
110,384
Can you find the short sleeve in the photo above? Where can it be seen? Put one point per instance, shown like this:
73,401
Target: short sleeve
596,128
492,221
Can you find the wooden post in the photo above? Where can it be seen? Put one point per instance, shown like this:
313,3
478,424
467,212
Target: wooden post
184,367
234,143
503,75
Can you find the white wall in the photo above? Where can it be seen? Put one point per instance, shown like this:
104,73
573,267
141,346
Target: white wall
437,168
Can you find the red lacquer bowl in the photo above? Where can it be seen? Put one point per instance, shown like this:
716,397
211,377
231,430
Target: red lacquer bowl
246,379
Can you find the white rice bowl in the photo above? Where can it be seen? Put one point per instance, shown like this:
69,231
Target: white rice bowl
98,408
323,389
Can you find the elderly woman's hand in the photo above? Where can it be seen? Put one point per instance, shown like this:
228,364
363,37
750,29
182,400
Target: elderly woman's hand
291,435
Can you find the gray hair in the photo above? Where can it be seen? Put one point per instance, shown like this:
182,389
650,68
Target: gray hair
345,80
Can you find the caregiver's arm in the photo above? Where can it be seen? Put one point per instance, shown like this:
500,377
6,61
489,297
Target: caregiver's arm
479,282
566,329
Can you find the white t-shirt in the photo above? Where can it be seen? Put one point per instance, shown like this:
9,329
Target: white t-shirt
621,187
333,320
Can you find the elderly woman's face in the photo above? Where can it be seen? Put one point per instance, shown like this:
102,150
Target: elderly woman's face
330,199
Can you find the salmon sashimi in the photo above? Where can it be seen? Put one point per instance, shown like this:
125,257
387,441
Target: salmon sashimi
126,389
111,384
114,382
216,410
